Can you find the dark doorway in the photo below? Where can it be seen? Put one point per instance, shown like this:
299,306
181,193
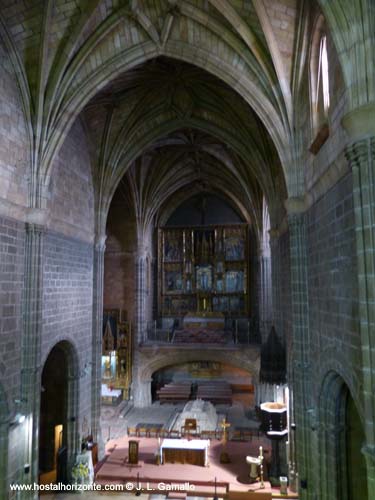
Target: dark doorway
356,463
53,415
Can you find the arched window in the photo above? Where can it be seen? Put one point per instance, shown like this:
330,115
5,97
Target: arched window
323,75
319,85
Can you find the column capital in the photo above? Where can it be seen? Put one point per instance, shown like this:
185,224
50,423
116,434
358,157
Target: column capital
369,453
359,152
100,243
296,205
36,220
34,229
360,122
274,234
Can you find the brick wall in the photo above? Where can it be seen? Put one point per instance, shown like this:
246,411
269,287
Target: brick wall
67,301
332,270
71,204
119,260
12,241
14,150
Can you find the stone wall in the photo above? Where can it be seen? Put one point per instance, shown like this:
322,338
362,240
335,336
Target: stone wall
12,241
14,149
120,259
281,295
332,278
285,287
67,302
71,203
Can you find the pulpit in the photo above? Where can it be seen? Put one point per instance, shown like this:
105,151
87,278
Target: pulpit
133,452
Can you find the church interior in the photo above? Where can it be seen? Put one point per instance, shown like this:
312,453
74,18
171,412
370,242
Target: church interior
187,248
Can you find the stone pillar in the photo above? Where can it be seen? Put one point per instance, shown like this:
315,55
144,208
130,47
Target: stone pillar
141,386
264,292
141,299
361,156
299,379
96,372
275,274
141,393
31,347
4,429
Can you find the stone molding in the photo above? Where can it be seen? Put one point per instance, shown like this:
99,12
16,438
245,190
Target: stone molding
296,205
100,243
369,453
358,153
360,123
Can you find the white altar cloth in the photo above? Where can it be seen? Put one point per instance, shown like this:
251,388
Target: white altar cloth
186,444
107,392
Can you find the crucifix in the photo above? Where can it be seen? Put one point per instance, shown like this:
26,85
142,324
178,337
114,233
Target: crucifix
224,457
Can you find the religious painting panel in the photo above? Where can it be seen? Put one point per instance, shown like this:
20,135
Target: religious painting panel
220,304
234,244
237,303
219,285
234,281
204,246
109,366
205,369
203,278
182,305
173,246
173,281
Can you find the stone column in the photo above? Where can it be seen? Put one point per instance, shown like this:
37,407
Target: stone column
31,347
142,393
275,273
4,429
141,298
299,379
361,156
264,292
141,383
96,373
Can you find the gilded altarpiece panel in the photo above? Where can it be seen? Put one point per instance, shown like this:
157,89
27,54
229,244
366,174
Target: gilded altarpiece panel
203,269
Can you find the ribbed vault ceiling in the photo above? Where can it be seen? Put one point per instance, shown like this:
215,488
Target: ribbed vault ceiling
167,125
102,58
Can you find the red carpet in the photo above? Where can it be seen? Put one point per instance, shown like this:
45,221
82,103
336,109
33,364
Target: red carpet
200,479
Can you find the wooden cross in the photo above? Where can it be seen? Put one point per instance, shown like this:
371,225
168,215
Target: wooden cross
224,457
224,425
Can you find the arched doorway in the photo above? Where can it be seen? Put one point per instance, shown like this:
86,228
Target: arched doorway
356,464
148,361
343,468
58,409
205,372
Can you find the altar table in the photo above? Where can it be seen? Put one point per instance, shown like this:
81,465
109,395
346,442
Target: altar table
184,451
209,322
